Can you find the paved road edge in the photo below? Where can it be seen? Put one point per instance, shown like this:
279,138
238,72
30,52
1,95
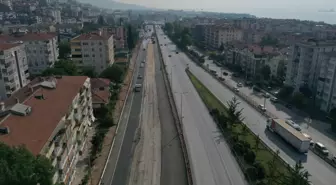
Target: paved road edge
121,113
177,120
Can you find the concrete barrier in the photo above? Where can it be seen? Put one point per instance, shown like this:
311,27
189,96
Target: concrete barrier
177,120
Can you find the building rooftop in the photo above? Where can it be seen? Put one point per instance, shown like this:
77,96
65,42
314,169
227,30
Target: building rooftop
27,37
93,36
5,46
99,95
47,104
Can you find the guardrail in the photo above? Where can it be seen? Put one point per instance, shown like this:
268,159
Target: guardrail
177,120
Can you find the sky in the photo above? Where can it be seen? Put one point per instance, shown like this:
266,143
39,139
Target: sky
299,9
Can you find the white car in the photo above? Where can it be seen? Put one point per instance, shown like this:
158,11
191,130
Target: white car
294,125
236,89
262,107
239,85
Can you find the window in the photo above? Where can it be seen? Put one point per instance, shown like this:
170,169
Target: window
100,43
78,50
85,43
92,49
93,55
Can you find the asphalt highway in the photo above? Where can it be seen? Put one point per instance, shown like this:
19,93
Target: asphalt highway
118,167
211,159
322,173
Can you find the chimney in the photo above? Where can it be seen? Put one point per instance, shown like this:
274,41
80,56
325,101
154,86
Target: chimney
2,106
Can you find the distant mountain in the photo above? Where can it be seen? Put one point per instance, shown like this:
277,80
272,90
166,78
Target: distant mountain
109,4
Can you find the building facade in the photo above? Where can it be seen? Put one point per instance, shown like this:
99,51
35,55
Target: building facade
51,117
215,35
93,50
14,69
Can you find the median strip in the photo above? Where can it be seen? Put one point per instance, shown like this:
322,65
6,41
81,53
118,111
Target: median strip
259,163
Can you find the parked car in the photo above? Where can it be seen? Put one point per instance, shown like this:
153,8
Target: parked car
176,52
139,77
225,73
169,55
274,99
239,85
289,106
333,159
236,89
221,78
261,107
266,95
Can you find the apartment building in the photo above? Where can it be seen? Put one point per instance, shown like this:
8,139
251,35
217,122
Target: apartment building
14,68
215,35
304,66
198,33
94,50
41,49
50,117
119,36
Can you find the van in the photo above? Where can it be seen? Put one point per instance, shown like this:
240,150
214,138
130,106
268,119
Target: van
320,148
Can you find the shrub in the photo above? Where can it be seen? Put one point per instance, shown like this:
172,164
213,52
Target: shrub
238,148
251,173
261,173
249,156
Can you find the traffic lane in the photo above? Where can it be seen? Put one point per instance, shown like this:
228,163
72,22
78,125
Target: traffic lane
257,123
122,169
318,130
111,164
173,169
196,119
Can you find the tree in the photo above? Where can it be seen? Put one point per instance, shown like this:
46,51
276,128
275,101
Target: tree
62,67
257,144
286,91
101,20
221,47
269,41
88,71
297,176
64,50
234,115
18,166
185,40
114,73
298,100
332,117
266,72
168,27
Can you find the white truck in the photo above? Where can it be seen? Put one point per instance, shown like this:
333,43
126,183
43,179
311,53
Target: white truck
289,134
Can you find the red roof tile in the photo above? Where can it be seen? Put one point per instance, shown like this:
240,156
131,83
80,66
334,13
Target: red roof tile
34,130
28,37
100,96
93,36
5,46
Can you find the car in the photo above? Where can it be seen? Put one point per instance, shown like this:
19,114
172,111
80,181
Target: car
294,125
221,78
333,159
169,55
266,95
236,89
239,85
261,107
144,49
143,61
165,44
139,77
319,147
225,73
289,106
176,52
274,99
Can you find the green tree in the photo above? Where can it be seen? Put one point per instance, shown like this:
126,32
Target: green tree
62,67
64,50
269,41
18,166
297,176
114,73
88,71
221,47
185,40
285,92
266,72
298,100
234,115
168,27
332,117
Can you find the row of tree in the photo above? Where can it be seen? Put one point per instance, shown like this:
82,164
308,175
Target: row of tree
256,171
180,35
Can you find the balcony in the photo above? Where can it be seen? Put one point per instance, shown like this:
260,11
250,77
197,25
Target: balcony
10,85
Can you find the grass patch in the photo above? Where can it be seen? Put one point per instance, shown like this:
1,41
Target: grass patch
263,154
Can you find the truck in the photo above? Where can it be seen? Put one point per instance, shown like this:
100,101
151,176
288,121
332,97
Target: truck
289,134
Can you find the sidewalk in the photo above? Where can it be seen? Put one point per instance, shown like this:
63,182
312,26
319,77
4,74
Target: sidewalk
99,163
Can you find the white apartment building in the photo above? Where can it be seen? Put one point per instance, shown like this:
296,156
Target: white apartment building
326,83
303,65
93,50
56,14
41,49
14,69
51,117
215,35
